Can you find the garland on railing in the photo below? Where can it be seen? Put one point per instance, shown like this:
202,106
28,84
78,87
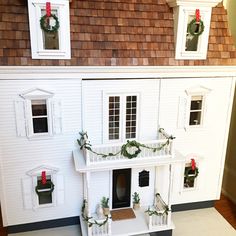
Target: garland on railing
155,212
90,220
85,144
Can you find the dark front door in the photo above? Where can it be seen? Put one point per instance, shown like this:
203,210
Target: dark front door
121,188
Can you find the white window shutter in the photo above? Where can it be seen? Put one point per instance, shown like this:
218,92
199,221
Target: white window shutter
27,193
60,190
56,116
182,112
20,118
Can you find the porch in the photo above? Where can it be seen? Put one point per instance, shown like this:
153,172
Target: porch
142,224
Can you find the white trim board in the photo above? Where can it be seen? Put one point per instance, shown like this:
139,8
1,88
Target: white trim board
118,72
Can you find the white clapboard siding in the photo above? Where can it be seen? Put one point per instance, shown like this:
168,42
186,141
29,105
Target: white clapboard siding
60,187
56,116
20,118
21,154
93,117
182,112
27,192
206,141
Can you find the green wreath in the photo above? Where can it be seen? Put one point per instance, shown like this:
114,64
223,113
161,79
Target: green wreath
192,27
130,144
45,27
191,176
49,184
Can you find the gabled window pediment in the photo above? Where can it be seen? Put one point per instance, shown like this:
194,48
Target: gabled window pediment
197,90
38,170
36,93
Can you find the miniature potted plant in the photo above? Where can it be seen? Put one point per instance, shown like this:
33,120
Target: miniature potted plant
136,201
105,206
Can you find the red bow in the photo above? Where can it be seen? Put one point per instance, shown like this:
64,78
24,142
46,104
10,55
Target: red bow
197,15
193,164
44,178
48,9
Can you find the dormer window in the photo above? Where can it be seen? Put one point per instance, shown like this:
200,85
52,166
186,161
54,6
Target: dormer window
192,26
49,29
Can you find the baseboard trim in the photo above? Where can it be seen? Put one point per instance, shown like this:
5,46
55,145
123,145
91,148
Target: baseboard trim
192,206
162,233
75,220
43,225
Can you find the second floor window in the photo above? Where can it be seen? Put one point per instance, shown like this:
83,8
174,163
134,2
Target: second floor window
196,109
39,116
122,117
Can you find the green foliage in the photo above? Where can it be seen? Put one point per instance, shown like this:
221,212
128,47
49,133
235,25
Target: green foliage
136,198
105,202
44,25
125,148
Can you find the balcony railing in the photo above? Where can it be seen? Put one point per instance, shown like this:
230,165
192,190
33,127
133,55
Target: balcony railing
163,147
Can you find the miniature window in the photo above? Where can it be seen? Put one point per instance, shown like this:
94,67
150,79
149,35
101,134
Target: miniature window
190,175
192,40
144,178
196,110
45,191
192,32
39,116
122,117
131,116
50,39
49,29
114,118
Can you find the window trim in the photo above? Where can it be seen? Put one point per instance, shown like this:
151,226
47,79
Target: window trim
196,91
37,94
34,174
181,16
36,36
122,131
31,133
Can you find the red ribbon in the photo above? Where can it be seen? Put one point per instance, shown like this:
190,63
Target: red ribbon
193,164
44,178
197,15
48,9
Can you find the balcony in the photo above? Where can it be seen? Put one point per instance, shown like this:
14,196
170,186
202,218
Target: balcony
132,154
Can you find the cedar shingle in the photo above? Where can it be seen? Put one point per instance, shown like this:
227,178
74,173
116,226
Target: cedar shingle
114,33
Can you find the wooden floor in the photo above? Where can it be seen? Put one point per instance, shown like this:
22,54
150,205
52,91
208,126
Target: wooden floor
227,209
224,206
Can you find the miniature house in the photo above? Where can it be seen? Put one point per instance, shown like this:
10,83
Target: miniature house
116,101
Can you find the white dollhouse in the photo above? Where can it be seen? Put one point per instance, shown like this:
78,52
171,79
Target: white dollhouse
136,110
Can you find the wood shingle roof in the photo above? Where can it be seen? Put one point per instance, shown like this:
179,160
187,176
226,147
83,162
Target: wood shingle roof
113,33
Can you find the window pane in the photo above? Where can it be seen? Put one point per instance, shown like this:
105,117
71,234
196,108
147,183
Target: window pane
131,109
40,125
50,39
196,105
195,118
114,117
189,182
192,40
39,107
44,197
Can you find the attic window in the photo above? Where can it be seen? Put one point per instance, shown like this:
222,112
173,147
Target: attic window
49,29
50,39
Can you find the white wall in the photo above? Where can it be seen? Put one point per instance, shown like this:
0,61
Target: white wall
93,105
19,154
208,143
